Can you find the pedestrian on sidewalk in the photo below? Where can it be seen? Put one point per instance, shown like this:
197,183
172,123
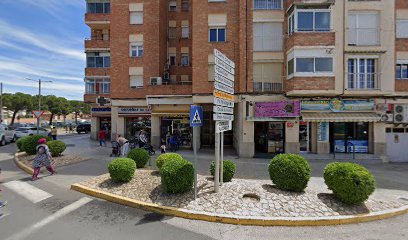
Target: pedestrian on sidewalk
2,204
142,139
102,137
54,133
43,159
124,144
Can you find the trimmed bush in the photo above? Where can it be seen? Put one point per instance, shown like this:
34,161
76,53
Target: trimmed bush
19,143
177,175
140,156
122,169
165,157
229,170
351,183
56,147
289,172
30,143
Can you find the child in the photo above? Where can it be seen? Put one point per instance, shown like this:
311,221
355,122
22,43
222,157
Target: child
43,158
2,204
163,148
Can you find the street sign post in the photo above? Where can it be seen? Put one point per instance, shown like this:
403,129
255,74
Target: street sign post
224,71
196,121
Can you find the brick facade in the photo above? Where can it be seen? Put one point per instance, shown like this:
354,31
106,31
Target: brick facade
311,39
310,83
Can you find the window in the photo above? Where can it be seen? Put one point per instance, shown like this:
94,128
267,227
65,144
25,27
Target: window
185,6
313,21
97,86
268,37
172,32
184,59
172,6
402,28
136,49
136,81
172,59
98,60
217,34
402,71
313,65
185,32
98,7
267,4
267,77
136,17
363,28
291,66
362,73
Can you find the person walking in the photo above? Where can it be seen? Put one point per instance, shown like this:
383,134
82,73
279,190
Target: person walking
142,139
102,137
124,143
43,159
54,133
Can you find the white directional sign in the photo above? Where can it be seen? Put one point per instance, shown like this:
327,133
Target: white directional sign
224,73
223,102
223,126
224,80
223,117
224,58
220,109
224,88
224,65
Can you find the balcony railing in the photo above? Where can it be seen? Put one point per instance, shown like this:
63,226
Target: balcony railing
268,4
267,87
363,81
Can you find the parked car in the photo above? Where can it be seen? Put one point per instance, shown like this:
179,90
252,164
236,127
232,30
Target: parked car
83,128
6,135
27,131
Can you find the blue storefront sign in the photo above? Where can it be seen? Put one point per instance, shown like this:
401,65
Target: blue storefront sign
338,105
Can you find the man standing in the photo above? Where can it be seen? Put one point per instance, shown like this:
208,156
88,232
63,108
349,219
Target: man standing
102,137
124,143
54,133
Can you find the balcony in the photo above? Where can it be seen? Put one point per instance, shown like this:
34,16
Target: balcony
268,87
363,81
97,20
97,44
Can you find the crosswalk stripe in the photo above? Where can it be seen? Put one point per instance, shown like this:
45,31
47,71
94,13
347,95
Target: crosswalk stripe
28,191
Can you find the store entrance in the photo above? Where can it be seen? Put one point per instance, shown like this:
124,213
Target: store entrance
179,127
305,139
106,124
269,137
344,135
135,124
207,136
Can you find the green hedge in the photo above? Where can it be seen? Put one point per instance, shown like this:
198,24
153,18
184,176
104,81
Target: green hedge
19,143
289,172
30,143
56,147
351,183
228,172
122,169
177,175
140,156
165,157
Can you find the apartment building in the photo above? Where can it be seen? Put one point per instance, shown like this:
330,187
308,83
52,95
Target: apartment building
311,75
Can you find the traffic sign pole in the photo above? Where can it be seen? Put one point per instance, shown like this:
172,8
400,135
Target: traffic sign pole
217,163
195,146
196,116
222,159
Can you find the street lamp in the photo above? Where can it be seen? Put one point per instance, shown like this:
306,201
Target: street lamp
39,100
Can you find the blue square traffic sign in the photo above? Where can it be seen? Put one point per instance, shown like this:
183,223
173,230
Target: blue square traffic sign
196,116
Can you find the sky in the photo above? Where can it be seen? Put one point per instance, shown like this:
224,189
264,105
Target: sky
43,39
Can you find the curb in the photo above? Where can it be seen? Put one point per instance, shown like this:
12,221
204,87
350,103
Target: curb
247,220
21,165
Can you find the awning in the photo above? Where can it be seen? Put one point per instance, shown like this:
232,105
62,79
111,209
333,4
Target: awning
340,117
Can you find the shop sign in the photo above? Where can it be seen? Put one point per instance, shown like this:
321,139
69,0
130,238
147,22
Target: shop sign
338,105
277,109
223,126
290,124
323,132
134,110
106,110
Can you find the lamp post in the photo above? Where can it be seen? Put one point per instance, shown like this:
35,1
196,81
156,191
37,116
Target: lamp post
39,99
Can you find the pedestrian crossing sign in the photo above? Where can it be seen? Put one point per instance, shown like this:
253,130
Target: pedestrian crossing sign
196,116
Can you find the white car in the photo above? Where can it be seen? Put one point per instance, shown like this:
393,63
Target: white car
28,131
6,135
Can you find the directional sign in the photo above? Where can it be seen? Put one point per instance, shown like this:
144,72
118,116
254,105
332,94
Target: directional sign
224,65
222,102
223,95
224,80
223,117
224,73
220,109
224,88
224,58
38,114
196,116
223,126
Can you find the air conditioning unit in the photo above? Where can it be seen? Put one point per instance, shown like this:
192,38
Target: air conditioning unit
400,113
156,81
387,117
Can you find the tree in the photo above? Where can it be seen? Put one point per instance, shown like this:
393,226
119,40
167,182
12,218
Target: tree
17,102
79,107
54,105
66,108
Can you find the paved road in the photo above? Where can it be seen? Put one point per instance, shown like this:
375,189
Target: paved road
64,214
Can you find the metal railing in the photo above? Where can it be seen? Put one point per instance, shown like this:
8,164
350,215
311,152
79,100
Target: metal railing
363,81
267,87
268,4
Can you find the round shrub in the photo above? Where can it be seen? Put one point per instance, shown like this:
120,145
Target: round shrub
351,183
289,172
165,157
30,143
122,169
56,147
177,175
19,143
140,156
228,172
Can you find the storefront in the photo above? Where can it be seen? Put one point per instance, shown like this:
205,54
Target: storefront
135,120
100,118
207,136
178,126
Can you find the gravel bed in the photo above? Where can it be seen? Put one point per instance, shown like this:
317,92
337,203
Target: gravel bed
60,161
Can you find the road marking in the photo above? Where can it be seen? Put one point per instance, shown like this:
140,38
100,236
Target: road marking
59,214
28,191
